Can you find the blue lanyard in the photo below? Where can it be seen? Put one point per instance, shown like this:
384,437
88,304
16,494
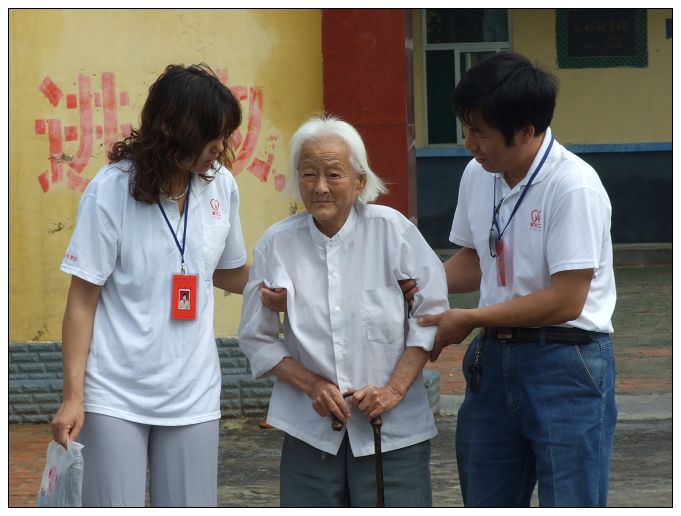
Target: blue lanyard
495,206
186,216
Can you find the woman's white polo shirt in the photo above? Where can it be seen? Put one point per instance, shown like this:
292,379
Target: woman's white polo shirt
143,366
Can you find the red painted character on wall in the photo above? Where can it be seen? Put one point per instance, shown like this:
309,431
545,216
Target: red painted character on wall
86,132
68,168
259,166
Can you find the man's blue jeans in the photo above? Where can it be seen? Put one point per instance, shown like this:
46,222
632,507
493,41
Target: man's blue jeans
544,415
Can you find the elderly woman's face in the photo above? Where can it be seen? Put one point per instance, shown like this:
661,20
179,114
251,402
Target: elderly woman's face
327,182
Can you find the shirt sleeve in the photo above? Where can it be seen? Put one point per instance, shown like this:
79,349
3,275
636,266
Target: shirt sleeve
460,233
234,254
578,223
93,249
259,326
418,261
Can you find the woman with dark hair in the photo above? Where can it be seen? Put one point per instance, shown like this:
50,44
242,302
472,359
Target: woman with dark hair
142,378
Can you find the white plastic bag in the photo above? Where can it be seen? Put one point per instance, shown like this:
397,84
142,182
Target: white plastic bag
62,482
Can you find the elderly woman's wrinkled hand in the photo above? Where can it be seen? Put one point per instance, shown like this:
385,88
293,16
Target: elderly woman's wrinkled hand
374,401
327,400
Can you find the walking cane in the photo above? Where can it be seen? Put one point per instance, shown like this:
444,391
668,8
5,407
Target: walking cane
376,424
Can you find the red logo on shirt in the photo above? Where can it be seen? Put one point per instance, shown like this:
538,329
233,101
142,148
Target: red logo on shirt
215,207
535,219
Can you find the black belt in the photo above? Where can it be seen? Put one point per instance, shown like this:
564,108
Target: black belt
546,333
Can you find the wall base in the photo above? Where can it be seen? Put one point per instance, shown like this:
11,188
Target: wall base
36,379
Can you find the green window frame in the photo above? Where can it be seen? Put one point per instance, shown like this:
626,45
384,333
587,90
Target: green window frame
447,55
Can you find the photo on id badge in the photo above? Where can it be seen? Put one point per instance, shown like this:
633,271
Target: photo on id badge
183,302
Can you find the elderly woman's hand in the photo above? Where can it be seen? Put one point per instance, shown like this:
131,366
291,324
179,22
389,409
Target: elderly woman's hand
327,400
273,298
374,401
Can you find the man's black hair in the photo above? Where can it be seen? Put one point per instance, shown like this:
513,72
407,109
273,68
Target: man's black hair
509,92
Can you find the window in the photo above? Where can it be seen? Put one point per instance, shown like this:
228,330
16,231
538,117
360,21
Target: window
456,39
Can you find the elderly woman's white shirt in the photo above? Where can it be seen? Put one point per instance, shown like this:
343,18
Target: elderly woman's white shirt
346,320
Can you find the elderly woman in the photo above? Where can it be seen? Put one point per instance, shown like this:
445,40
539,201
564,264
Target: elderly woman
347,330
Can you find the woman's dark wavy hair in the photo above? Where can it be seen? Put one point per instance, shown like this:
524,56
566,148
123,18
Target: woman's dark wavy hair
187,108
509,92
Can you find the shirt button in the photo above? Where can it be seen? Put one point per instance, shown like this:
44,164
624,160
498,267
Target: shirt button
337,308
334,274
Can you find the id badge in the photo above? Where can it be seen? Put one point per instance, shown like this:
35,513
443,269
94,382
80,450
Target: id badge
184,297
501,265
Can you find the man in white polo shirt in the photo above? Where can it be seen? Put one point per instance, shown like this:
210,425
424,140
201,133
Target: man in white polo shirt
533,221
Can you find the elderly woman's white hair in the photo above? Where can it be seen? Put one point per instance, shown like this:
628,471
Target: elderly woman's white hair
319,127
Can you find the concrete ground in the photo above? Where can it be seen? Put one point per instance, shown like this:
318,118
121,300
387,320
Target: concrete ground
642,466
640,476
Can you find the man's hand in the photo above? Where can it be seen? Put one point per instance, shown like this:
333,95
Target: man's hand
409,289
453,327
273,298
374,401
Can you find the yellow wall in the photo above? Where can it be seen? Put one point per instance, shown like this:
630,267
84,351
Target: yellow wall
595,105
275,51
604,105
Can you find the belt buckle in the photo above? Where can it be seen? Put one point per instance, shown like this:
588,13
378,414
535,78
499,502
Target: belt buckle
505,334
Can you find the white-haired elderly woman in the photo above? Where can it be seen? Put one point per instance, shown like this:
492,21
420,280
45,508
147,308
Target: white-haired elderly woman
347,330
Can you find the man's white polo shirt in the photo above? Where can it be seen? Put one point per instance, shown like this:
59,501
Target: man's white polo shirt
563,223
